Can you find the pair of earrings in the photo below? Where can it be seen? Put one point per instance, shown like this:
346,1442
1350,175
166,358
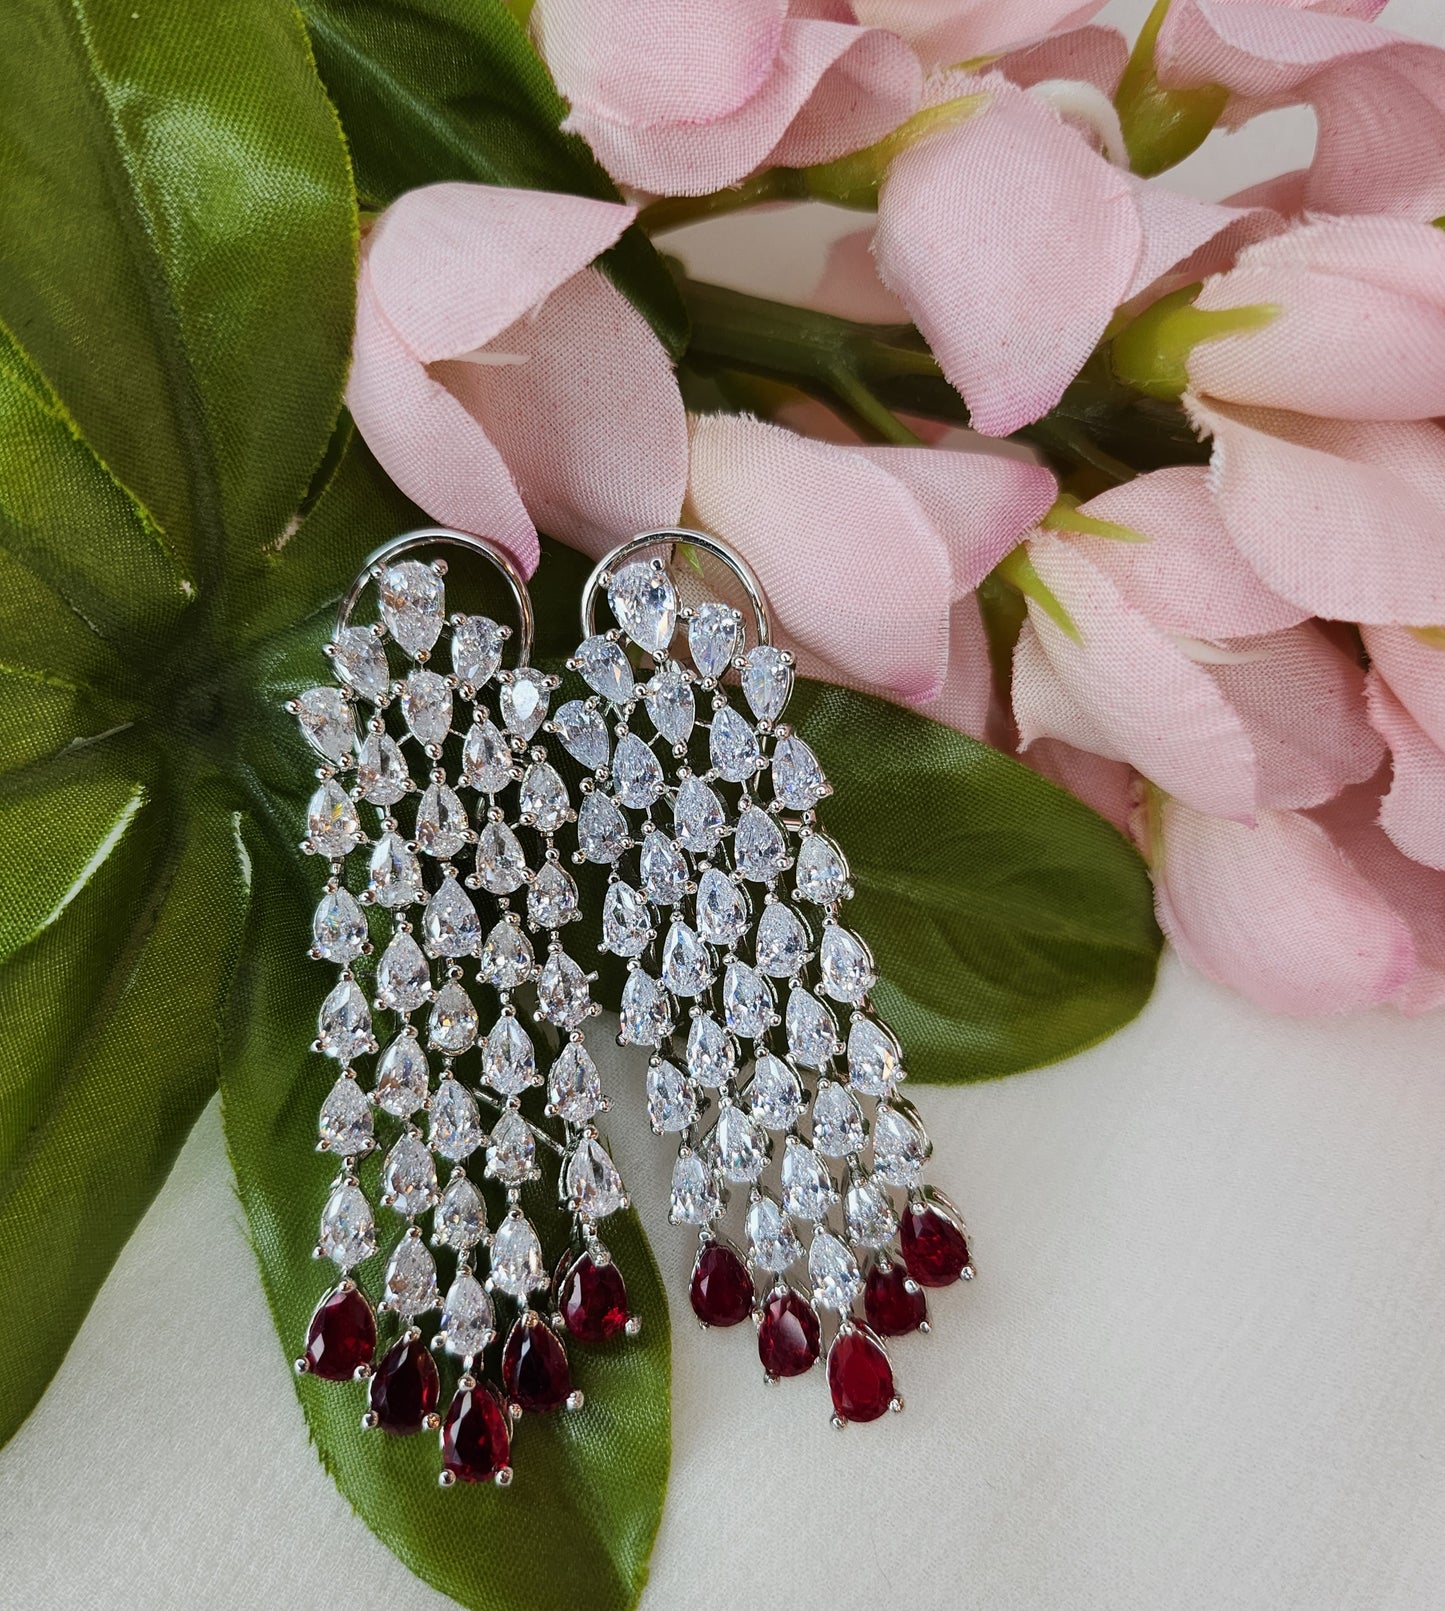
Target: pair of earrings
724,897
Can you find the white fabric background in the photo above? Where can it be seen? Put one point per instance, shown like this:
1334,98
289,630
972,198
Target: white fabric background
1202,1369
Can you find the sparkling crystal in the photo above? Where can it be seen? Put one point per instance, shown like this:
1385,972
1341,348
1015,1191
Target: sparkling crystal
523,702
426,703
543,797
714,635
626,928
697,817
822,874
834,1272
671,1104
360,661
381,772
712,1059
563,994
413,604
409,1177
773,1241
345,1122
348,1228
512,1151
747,1000
812,1033
583,733
590,1182
671,705
476,649
509,1060
722,908
460,1220
775,1097
338,929
875,1064
663,870
456,1125
441,822
733,746
837,1121
767,682
797,778
871,1220
332,824
845,965
326,720
467,1317
486,758
343,1026
517,1266
551,897
450,922
452,1027
574,1088
781,947
395,873
506,958
605,669
645,604
601,832
636,772
401,1077
758,846
501,866
808,1189
646,1012
900,1147
695,1198
686,961
403,980
740,1146
411,1278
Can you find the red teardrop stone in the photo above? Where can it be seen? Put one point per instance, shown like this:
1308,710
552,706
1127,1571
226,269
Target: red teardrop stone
933,1244
476,1440
405,1388
892,1309
342,1335
535,1371
593,1300
788,1336
859,1377
722,1289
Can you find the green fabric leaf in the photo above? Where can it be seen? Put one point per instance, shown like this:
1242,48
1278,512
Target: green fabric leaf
451,89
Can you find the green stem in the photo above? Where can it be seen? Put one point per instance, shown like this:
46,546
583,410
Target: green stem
772,184
1162,126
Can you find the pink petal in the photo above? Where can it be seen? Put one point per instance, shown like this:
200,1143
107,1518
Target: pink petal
1106,786
452,265
1284,194
1415,672
966,699
852,566
1413,812
1092,55
1176,227
1189,577
590,421
1277,912
873,84
1345,518
960,30
849,285
1261,47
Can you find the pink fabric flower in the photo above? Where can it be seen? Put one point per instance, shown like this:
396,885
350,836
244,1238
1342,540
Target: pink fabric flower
681,97
1407,705
948,32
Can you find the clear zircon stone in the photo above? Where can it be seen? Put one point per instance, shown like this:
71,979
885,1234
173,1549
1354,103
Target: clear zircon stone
747,1000
767,682
413,605
467,1321
348,1228
833,1271
345,1122
411,1278
360,662
517,1265
450,922
403,980
714,635
476,649
343,1025
626,927
456,1126
591,1184
401,1078
338,928
524,700
574,1088
332,824
426,703
605,669
452,1027
645,604
441,822
583,733
636,773
381,772
326,720
671,1104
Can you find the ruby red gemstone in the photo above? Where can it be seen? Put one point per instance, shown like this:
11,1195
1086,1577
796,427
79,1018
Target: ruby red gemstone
476,1440
859,1377
934,1246
342,1335
892,1308
534,1367
788,1336
593,1300
722,1289
405,1388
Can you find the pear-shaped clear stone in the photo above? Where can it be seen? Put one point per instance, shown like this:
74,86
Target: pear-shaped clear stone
574,1088
671,705
590,1182
772,1240
636,773
456,1125
395,873
645,604
551,897
747,1000
808,1189
543,797
601,832
775,1097
697,817
360,661
467,1321
758,846
797,778
834,1273
413,604
411,1278
453,1025
714,635
476,649
403,980
739,1145
509,1060
409,1177
646,1012
626,928
722,908
512,1151
501,866
875,1064
506,958
712,1059
812,1033
733,746
345,1122
348,1227
326,720
871,1219
460,1220
782,942
583,733
523,701
517,1265
671,1104
401,1077
767,682
343,1025
332,824
837,1121
381,772
563,995
822,874
486,758
845,965
900,1147
338,928
450,922
695,1198
686,961
426,703
663,870
605,669
441,821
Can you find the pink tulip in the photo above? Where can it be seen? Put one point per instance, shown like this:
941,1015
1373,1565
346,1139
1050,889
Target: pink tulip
1261,48
947,32
682,97
504,384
